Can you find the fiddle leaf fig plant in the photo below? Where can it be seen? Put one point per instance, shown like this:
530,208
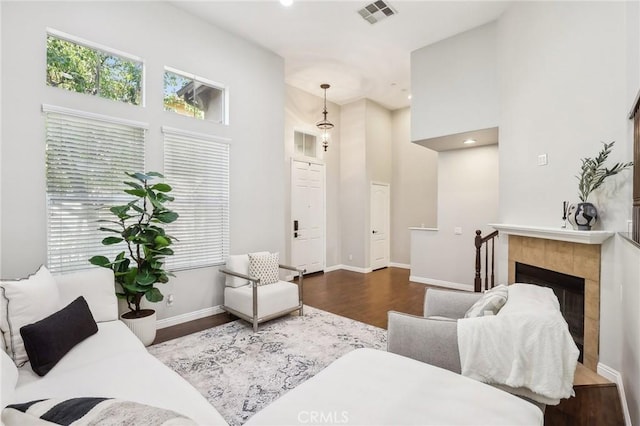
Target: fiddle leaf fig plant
138,225
593,172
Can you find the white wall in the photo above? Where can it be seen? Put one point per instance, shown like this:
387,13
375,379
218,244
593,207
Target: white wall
454,85
467,198
414,187
353,184
256,80
302,111
568,73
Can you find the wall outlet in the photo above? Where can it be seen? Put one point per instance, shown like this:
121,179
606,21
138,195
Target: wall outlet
350,257
170,300
542,160
630,226
457,230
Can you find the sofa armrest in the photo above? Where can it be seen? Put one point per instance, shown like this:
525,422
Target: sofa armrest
448,303
431,341
239,275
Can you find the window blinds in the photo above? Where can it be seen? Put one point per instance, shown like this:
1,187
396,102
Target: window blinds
197,168
86,157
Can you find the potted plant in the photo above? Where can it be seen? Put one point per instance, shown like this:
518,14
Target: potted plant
592,175
140,266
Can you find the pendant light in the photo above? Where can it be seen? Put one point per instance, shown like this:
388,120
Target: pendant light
325,124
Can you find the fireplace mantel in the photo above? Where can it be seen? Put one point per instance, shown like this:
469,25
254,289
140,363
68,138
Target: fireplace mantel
559,234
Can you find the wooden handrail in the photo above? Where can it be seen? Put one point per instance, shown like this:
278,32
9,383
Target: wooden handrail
479,242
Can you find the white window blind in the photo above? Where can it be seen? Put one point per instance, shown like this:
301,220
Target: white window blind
86,157
197,168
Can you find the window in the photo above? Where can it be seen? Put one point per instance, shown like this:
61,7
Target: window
86,158
83,67
197,168
190,95
305,144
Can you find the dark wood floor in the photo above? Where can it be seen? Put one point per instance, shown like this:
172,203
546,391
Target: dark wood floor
368,298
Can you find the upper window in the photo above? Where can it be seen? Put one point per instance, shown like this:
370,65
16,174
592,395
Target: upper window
193,96
305,144
84,67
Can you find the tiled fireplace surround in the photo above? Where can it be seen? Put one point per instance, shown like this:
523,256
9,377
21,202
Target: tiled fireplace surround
580,260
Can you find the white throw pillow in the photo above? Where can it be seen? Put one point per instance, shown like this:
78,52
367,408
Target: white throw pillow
9,379
27,301
97,286
265,267
490,302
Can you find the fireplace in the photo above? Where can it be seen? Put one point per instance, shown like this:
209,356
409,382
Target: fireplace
569,290
581,260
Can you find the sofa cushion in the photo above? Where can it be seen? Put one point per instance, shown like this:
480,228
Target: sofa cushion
490,302
96,285
239,263
24,302
9,379
90,410
272,298
49,339
265,267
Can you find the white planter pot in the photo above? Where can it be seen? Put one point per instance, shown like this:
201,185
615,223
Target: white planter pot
144,328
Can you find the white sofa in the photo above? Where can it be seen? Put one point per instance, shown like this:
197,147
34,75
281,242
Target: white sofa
111,363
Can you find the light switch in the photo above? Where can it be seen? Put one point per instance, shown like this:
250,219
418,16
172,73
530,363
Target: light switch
542,160
457,230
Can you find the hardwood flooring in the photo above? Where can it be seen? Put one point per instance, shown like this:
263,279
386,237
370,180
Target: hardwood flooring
368,297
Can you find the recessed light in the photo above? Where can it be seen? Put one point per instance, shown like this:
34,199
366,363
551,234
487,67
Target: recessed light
286,3
469,141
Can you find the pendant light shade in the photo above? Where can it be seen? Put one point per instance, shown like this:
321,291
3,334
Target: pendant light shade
325,125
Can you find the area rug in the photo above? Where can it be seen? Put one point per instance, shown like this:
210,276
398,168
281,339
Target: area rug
240,372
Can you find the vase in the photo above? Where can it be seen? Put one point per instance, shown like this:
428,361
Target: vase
582,216
143,326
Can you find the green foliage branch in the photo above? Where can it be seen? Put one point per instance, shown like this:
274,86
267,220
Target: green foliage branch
138,225
593,172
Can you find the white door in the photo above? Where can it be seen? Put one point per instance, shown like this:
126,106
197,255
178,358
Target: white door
307,215
380,224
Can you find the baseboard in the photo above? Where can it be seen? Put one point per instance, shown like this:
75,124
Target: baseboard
332,268
441,283
189,316
615,376
400,265
355,269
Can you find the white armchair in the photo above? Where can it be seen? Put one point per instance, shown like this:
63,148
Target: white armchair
249,298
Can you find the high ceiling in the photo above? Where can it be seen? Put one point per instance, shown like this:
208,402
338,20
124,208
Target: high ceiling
329,42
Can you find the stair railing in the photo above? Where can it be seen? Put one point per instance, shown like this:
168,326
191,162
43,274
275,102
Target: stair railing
479,242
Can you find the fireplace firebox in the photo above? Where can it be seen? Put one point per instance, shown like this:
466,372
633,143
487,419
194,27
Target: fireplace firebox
570,293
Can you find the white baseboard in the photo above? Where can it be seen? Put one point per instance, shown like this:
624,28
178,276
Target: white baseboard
400,265
332,268
615,376
355,269
441,283
189,316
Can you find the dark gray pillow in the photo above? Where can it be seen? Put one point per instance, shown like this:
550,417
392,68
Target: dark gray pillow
49,339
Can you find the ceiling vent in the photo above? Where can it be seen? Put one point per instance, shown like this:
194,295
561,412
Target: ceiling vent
376,11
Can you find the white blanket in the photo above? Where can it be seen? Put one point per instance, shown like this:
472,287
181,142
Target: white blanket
526,349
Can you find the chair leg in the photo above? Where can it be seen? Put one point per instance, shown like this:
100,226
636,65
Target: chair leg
302,311
255,325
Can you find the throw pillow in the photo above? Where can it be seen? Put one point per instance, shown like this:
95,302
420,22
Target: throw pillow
491,301
24,302
265,267
49,339
91,411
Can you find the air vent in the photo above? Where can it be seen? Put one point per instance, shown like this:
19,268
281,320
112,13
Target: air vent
376,11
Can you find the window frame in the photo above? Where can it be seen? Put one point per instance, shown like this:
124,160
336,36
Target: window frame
214,84
107,50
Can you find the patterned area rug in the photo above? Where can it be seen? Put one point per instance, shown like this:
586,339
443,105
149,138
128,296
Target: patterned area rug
240,372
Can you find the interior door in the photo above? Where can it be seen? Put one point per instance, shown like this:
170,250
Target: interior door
380,225
308,215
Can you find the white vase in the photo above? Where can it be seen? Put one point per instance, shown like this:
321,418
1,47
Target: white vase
144,327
